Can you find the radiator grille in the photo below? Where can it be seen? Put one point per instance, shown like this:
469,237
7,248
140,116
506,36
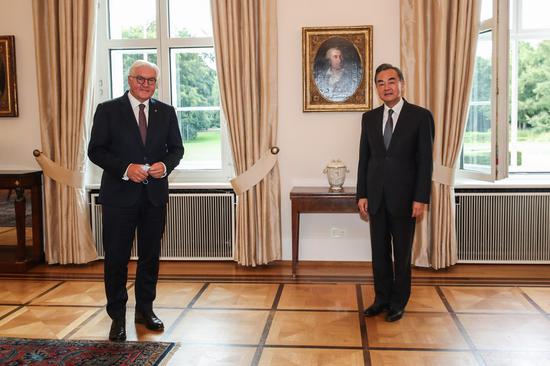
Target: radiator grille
508,227
199,226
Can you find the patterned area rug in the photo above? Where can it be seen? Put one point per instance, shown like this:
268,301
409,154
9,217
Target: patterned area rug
39,352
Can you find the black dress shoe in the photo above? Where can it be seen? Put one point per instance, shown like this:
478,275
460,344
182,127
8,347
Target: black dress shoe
150,320
118,330
375,309
394,315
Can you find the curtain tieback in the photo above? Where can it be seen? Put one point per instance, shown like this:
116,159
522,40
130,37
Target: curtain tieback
58,173
256,172
443,175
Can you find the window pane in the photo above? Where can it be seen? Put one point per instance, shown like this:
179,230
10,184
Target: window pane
534,14
132,19
202,139
190,18
476,153
529,143
121,60
194,77
196,96
486,10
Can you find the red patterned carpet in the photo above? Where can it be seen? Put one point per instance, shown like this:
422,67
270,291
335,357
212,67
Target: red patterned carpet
39,352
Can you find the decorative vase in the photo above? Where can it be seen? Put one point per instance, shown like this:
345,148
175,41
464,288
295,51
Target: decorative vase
336,173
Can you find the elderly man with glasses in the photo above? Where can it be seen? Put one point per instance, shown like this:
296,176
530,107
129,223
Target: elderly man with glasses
136,140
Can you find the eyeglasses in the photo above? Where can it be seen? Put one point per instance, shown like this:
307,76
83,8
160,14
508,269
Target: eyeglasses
141,80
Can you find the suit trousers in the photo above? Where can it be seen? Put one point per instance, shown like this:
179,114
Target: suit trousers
119,229
392,281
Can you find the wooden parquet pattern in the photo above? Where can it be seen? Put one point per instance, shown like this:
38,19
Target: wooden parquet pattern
241,318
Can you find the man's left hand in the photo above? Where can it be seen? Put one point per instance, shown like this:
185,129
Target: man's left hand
418,209
156,170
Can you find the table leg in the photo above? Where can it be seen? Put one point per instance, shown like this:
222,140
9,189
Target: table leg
295,238
37,225
19,204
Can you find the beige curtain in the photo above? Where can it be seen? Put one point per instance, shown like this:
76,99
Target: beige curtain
438,42
245,38
64,42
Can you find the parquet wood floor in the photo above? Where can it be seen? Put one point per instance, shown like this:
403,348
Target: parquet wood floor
221,314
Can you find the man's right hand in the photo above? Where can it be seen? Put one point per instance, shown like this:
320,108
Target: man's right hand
363,205
136,173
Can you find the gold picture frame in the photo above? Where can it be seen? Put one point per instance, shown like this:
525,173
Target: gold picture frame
337,68
8,81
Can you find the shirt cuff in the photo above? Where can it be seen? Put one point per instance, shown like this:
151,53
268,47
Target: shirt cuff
165,171
125,176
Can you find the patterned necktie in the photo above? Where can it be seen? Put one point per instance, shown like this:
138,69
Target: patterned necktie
142,123
388,130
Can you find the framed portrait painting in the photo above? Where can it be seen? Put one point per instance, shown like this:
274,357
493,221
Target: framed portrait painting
8,82
337,68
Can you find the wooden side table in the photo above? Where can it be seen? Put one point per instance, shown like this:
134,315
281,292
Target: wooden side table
17,257
317,200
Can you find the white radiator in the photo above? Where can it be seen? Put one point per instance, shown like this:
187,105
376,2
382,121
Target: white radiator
503,227
199,226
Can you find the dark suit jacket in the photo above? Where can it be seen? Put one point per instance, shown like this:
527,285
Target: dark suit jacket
403,173
115,142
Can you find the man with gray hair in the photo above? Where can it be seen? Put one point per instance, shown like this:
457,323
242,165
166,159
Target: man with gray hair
337,82
137,142
394,180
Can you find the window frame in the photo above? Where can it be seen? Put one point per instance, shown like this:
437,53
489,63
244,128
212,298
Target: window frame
508,31
498,26
163,44
518,33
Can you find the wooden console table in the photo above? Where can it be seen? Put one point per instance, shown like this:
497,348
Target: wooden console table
17,257
317,200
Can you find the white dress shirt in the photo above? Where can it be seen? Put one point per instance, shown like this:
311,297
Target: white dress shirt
135,108
396,111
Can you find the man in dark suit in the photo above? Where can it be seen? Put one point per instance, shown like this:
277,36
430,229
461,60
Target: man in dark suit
137,142
393,187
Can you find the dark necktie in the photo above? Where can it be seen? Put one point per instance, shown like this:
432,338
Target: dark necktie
142,123
388,130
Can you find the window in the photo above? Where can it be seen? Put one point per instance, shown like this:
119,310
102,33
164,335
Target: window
476,155
508,126
177,36
480,151
529,138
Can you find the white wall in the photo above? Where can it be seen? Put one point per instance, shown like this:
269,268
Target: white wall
308,141
19,136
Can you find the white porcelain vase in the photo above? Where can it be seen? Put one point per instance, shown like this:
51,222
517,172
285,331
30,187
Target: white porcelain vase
336,174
